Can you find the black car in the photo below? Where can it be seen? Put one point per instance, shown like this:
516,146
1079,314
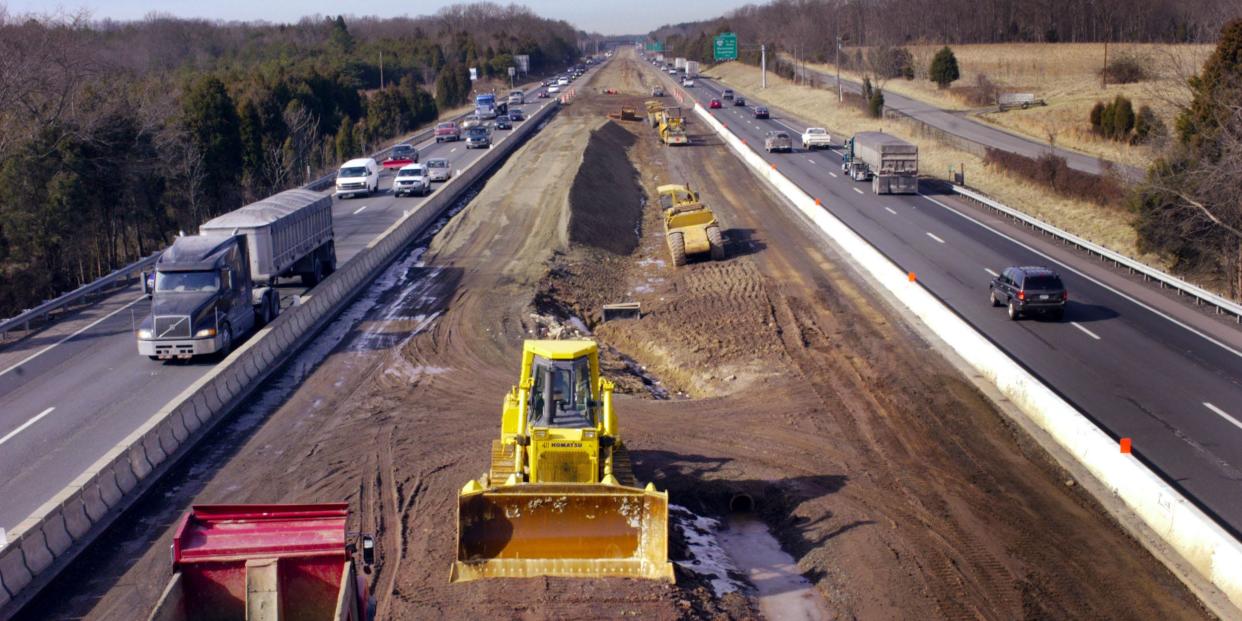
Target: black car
478,137
1027,290
516,114
761,112
739,100
503,122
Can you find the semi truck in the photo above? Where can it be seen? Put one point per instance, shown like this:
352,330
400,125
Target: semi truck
692,69
679,63
486,106
266,563
208,289
890,163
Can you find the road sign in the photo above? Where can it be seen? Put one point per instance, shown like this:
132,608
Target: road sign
474,73
512,71
655,47
523,62
725,47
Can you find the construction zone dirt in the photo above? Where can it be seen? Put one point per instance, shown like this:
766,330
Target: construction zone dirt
770,383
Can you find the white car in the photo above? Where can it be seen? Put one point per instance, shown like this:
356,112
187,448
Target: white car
815,138
563,82
411,179
687,82
439,169
554,89
359,176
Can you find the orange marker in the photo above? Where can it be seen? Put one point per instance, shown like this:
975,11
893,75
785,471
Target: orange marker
817,202
773,166
912,277
1125,446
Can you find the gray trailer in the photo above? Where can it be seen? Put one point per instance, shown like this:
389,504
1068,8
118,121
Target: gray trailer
890,163
211,288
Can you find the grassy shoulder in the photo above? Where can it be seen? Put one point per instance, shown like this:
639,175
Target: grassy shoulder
1110,227
1066,76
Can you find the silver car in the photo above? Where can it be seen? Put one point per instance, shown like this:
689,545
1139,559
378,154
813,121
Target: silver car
778,141
439,169
411,179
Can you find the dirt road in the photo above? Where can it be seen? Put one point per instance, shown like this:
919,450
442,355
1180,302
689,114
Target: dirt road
770,376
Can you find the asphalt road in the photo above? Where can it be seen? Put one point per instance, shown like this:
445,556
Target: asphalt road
1141,364
977,131
68,395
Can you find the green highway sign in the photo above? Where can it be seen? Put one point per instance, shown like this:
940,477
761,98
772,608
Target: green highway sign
655,47
725,47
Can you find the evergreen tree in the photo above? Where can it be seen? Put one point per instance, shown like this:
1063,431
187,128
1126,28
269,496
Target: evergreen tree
210,118
943,70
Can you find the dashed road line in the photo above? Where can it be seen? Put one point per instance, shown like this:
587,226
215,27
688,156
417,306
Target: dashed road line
360,209
25,425
834,175
989,270
933,236
858,190
1085,331
890,210
810,160
1223,414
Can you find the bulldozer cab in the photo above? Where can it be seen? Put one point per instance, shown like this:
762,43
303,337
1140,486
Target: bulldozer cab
561,394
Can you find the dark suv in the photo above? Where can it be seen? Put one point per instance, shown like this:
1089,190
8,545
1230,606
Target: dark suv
1029,290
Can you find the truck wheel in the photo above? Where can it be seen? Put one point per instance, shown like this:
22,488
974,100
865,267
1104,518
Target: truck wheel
226,344
329,258
312,278
677,248
716,241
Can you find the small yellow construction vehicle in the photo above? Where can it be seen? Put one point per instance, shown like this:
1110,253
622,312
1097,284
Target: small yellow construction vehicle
560,498
673,127
627,113
654,108
690,227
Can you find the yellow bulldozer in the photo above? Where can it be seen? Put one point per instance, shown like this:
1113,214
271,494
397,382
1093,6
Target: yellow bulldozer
560,498
690,227
673,127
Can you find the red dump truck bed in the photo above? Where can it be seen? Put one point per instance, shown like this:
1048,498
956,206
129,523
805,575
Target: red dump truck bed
262,562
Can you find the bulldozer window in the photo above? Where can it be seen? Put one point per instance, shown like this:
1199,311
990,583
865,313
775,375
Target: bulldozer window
561,393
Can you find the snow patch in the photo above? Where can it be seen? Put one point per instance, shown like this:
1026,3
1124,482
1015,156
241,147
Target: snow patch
707,557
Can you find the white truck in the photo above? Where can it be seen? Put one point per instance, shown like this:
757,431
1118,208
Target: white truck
816,138
679,63
692,69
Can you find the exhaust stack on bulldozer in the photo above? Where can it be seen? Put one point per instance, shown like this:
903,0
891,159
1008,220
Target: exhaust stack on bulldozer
560,498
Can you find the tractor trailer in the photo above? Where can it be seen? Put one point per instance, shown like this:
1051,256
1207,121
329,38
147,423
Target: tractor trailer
692,69
210,288
890,163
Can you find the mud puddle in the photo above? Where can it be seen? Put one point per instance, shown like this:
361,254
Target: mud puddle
780,591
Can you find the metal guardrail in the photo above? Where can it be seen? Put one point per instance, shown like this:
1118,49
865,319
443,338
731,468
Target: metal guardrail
63,302
1200,295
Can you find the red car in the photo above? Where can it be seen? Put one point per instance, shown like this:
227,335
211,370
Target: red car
448,131
715,103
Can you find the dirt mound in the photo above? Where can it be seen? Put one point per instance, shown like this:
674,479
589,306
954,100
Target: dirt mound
606,199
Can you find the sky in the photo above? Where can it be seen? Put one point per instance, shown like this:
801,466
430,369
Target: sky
604,16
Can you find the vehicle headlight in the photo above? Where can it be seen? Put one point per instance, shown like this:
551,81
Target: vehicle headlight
204,333
144,333
589,434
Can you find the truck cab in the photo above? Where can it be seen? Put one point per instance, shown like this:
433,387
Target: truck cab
202,299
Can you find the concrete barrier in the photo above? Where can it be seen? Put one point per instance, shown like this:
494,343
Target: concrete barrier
1196,538
47,541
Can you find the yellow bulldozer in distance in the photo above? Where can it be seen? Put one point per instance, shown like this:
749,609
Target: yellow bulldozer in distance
560,498
690,227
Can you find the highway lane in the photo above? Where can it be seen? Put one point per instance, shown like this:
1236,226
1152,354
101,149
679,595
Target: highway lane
958,124
1143,368
62,409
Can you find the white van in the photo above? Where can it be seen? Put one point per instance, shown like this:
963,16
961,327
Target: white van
360,176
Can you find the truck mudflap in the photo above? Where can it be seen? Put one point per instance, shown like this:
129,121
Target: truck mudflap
581,530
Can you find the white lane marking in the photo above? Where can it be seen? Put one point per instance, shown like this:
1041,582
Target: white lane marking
810,160
931,235
1236,422
834,175
792,129
989,270
25,425
1093,280
858,190
49,347
890,210
453,149
1085,331
360,209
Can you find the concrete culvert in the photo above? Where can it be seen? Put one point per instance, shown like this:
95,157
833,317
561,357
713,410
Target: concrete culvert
741,503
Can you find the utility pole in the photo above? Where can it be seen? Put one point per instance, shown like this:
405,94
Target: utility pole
381,70
840,93
1104,73
763,66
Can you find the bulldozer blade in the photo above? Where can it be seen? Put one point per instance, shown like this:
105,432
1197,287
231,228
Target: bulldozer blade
580,530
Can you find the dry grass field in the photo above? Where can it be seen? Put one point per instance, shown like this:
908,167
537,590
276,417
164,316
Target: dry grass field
1110,227
1066,76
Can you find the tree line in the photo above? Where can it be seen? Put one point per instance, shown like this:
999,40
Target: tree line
116,135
